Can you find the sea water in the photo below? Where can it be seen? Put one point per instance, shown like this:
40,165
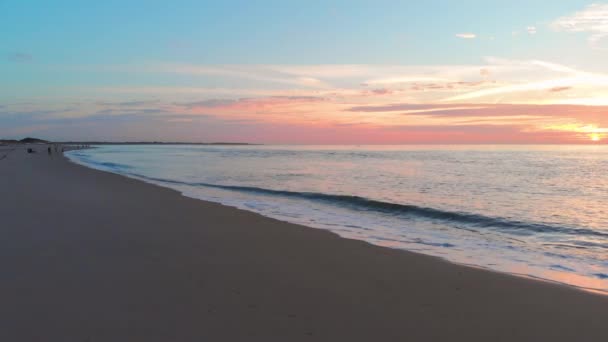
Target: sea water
538,211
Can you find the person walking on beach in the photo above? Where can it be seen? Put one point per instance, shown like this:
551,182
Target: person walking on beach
49,150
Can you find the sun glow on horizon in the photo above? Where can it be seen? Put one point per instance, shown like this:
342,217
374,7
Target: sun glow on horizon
587,132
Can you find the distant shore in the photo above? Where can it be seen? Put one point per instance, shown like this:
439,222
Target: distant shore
41,142
94,256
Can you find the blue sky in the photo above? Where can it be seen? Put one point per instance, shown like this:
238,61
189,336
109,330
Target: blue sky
67,57
271,32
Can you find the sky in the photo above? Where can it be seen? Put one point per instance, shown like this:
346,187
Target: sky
305,72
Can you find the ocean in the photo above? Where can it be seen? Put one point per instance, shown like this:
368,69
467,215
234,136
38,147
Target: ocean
539,211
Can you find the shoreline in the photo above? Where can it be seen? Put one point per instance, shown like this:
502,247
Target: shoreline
190,269
531,276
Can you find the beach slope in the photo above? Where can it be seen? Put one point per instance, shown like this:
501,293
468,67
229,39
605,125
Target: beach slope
92,256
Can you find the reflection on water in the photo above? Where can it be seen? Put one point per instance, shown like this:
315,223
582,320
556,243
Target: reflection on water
564,277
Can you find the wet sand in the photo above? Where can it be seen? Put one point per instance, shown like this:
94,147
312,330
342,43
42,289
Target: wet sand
92,256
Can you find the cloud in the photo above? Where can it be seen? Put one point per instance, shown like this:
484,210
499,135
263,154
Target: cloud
531,30
398,107
528,66
494,81
237,81
19,57
402,80
250,102
593,19
211,103
124,113
466,35
381,91
521,111
558,89
497,114
135,103
549,76
560,83
474,128
180,120
254,73
553,66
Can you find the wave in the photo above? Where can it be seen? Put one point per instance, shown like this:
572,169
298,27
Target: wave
402,210
115,167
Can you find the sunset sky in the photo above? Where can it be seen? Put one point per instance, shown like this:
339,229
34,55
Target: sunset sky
316,72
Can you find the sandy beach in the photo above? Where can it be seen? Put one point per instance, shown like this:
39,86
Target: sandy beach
94,256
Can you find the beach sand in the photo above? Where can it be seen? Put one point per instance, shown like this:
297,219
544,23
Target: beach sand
92,256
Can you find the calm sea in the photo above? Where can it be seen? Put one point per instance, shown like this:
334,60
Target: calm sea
539,211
